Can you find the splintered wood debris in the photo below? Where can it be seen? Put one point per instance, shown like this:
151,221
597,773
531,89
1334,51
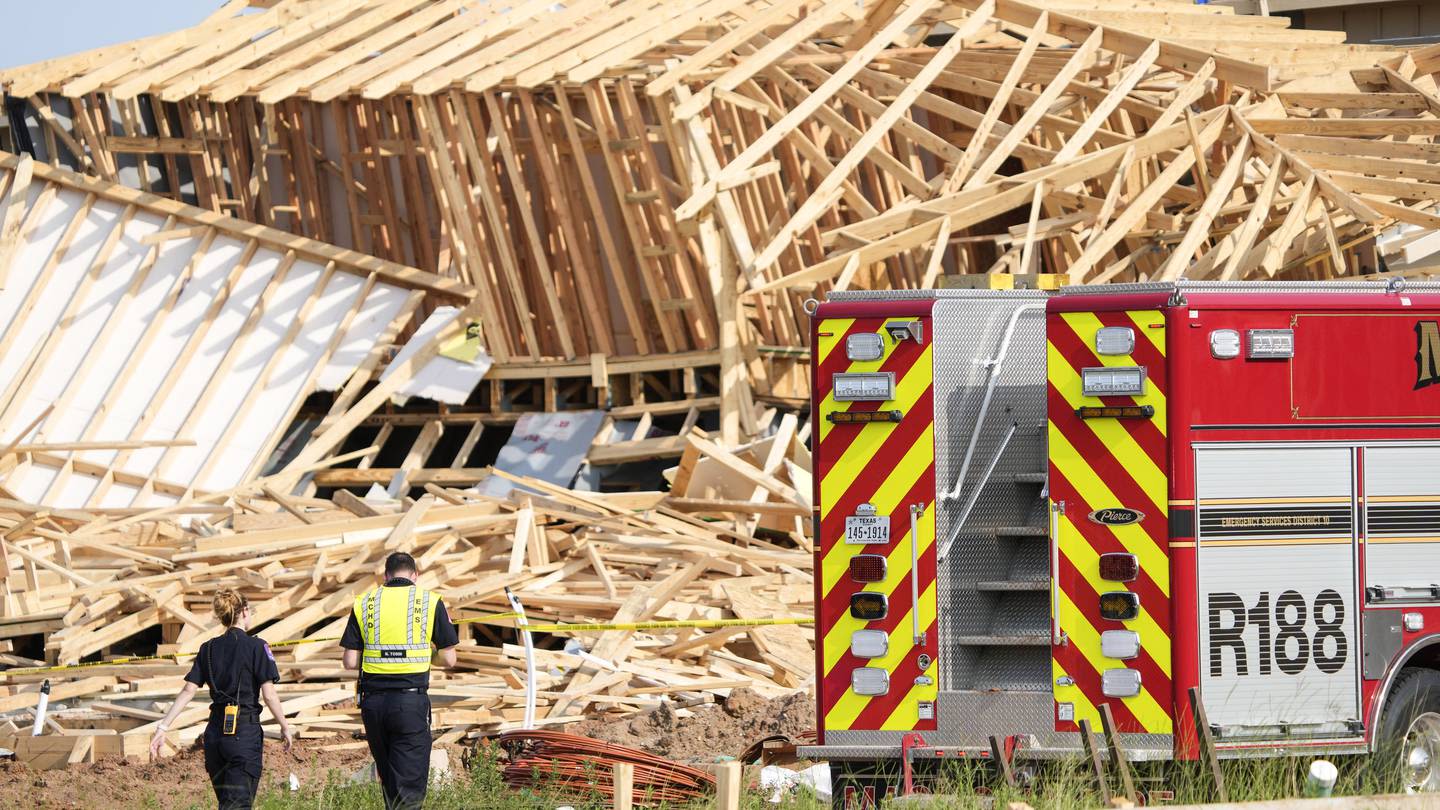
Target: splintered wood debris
88,584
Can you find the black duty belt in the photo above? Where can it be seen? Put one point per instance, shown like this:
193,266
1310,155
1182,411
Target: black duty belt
366,692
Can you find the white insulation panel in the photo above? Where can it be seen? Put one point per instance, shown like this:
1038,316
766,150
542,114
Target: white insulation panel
442,379
201,337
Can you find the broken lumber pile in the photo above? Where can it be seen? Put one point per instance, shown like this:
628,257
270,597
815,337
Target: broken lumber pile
96,590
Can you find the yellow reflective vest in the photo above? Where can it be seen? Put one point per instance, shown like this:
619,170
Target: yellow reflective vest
396,624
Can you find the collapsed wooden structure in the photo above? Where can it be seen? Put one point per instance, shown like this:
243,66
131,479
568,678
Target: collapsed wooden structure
623,180
624,204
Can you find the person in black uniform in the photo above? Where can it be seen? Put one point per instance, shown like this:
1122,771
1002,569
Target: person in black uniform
402,623
239,669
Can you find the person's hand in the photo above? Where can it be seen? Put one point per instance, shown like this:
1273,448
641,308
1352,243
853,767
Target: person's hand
155,743
288,735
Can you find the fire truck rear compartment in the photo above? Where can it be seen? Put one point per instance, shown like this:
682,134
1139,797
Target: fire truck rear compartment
992,527
1290,502
994,597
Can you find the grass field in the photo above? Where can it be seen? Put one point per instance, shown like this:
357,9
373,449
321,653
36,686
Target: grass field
1059,786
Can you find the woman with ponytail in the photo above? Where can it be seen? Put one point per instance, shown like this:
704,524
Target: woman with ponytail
239,669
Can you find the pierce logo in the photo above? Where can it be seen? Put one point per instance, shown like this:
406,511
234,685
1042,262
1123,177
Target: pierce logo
1427,353
1118,516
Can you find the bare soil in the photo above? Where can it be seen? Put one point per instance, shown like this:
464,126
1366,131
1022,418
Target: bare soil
175,782
724,729
713,731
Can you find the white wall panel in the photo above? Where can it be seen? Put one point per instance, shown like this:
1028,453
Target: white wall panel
76,338
442,379
201,344
41,313
382,306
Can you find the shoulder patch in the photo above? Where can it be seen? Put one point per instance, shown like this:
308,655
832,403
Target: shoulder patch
268,653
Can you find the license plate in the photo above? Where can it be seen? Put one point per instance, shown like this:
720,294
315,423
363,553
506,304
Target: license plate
867,529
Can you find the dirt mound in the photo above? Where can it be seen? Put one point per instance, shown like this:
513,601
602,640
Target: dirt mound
723,729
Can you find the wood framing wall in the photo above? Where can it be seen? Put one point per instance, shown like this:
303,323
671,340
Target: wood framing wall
556,206
621,179
152,351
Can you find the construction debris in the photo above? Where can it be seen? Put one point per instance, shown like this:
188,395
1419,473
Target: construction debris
320,279
571,557
568,766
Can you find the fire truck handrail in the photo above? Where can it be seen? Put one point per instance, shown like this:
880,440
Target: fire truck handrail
1057,635
993,366
975,492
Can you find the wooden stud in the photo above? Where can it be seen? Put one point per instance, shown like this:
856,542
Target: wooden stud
1117,752
1206,740
1097,766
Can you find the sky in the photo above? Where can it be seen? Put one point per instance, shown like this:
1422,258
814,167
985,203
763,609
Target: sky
45,29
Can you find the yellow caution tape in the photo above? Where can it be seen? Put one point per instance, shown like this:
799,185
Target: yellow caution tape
113,662
697,623
495,617
534,628
491,618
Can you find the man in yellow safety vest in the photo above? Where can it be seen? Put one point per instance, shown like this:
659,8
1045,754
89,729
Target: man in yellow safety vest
389,639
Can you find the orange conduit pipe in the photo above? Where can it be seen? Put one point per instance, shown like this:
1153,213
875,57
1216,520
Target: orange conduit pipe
571,765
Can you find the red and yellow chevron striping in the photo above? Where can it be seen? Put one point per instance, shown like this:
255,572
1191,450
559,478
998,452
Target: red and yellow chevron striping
891,467
1107,463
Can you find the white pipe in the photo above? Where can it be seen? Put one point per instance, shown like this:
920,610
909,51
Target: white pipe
1321,780
994,366
521,623
40,709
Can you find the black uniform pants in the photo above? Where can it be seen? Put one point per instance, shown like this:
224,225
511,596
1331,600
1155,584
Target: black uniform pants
397,726
233,761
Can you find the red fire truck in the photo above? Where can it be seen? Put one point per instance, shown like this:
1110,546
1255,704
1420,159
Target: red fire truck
1032,505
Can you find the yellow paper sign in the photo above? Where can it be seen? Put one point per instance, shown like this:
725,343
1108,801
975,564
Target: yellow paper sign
464,346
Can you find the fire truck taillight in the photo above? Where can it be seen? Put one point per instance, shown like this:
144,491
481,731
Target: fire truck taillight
867,568
862,417
870,681
869,643
1119,567
1112,381
1121,683
869,607
1224,344
1114,340
1115,412
1121,644
1120,606
864,346
863,386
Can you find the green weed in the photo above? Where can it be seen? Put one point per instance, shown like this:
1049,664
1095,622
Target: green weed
1065,785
